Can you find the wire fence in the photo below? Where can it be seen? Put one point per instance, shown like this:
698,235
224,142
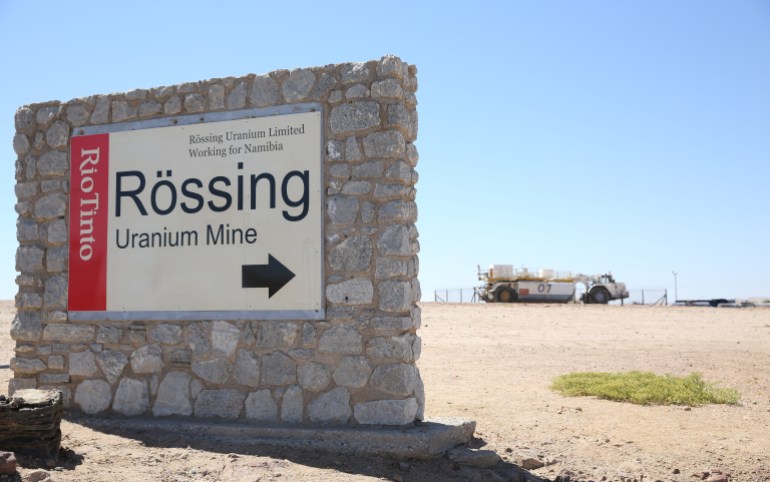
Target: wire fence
652,297
456,295
647,297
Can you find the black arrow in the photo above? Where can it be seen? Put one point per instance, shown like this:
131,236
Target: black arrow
273,275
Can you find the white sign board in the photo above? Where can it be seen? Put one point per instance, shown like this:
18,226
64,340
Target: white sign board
217,217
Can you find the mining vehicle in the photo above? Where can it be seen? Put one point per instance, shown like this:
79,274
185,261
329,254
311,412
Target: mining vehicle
505,284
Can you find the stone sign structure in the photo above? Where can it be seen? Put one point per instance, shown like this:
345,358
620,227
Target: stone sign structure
352,363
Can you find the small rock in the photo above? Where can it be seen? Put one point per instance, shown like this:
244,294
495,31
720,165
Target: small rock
676,471
527,462
404,466
564,476
7,463
37,476
473,458
718,477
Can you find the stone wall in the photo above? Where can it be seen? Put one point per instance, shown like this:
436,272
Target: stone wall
356,366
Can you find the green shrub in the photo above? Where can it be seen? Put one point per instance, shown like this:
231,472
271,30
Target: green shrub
645,388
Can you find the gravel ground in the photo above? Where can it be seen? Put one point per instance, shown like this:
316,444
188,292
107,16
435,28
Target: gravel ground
494,364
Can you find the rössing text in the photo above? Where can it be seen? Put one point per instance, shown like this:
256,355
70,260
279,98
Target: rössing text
164,194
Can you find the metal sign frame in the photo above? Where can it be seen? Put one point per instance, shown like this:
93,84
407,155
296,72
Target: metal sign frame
193,315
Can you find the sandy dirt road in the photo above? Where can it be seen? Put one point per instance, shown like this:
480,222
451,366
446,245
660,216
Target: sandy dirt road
494,364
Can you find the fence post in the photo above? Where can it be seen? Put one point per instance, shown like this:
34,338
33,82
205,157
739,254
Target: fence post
642,297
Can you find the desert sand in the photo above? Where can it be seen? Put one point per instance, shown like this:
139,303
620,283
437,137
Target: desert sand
494,364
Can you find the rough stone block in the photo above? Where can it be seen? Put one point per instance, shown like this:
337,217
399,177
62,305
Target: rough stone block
358,291
122,110
356,188
298,85
219,403
353,372
20,144
93,396
58,134
392,66
29,259
314,376
77,114
196,336
197,103
322,88
355,116
261,406
386,412
331,407
397,211
55,295
27,366
352,255
246,369
355,72
341,339
25,120
53,378
147,359
165,333
385,145
57,231
112,364
387,88
224,337
342,210
150,108
401,172
56,362
395,296
352,151
276,334
181,358
397,379
26,326
173,395
109,335
28,301
173,105
83,364
278,369
390,268
292,405
53,163
395,241
264,91
395,347
132,397
216,370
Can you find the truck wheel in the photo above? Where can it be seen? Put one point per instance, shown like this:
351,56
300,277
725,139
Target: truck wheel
600,296
505,295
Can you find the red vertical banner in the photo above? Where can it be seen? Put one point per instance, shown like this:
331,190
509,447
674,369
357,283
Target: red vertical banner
89,206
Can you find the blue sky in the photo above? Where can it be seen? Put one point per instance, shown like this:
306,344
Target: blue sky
585,136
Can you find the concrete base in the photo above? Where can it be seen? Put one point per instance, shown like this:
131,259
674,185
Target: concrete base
423,440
